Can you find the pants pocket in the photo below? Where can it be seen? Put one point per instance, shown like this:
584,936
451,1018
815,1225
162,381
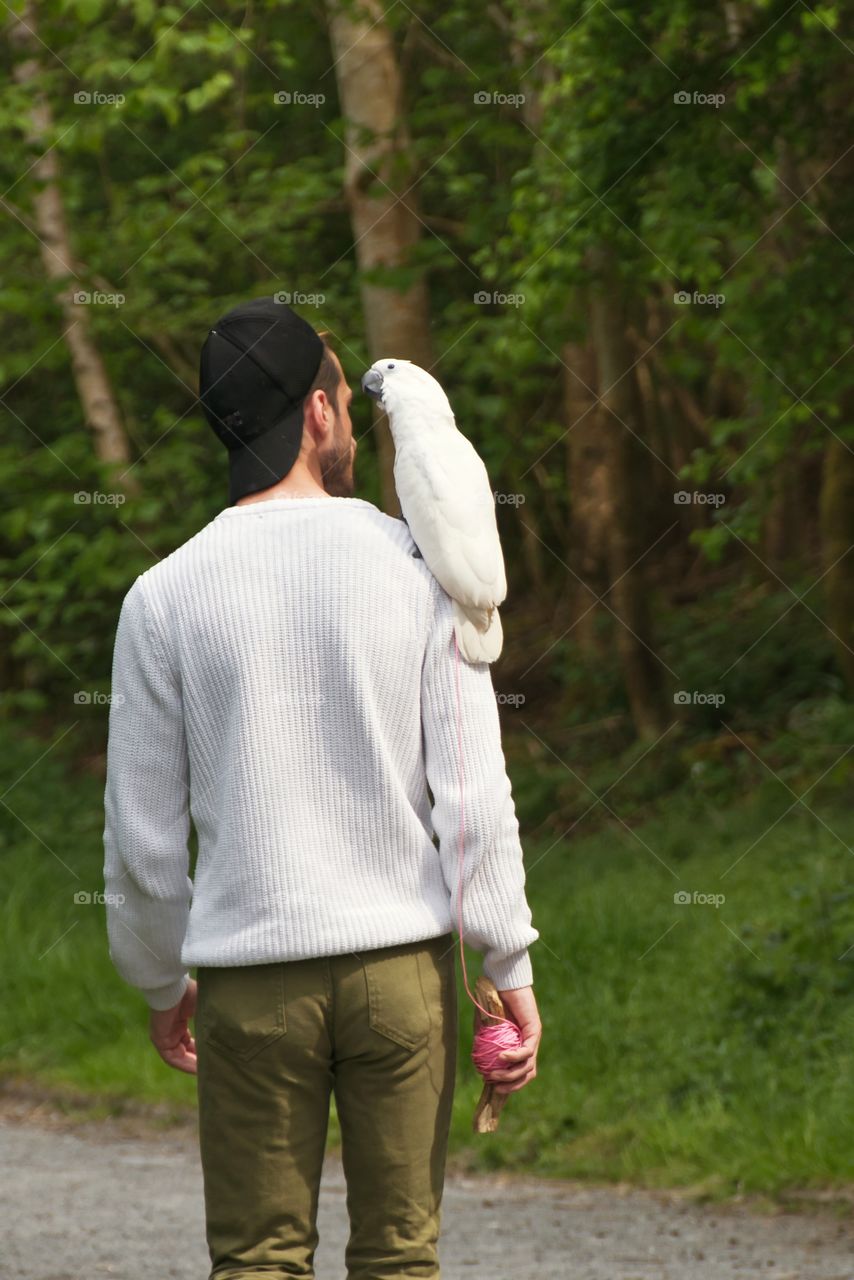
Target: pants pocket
397,1008
241,1010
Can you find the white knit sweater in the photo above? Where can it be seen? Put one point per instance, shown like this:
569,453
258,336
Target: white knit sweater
287,679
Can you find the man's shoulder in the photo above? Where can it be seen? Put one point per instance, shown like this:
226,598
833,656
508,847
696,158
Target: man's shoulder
365,525
396,528
174,563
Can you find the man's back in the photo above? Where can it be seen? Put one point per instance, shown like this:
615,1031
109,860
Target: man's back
279,667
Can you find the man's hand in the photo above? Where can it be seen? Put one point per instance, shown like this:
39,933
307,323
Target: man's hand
520,1007
169,1031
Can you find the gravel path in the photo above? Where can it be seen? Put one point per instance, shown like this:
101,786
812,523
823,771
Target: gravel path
88,1201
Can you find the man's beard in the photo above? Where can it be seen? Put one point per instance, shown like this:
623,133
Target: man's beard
336,466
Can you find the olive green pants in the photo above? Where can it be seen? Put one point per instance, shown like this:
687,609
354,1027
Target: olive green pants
273,1040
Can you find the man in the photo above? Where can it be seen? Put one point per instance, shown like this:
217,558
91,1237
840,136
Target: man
287,679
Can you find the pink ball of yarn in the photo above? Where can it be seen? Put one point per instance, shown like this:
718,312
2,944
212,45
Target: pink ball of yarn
491,1041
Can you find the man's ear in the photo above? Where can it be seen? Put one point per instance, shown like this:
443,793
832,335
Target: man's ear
320,413
314,413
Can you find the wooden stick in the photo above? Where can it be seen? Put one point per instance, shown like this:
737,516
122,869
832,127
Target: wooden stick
490,1105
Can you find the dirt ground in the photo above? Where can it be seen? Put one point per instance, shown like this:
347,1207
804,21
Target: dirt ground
84,1198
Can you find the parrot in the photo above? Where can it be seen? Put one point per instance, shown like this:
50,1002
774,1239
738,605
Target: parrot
446,500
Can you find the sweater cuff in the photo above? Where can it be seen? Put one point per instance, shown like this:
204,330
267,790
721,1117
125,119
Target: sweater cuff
510,972
161,998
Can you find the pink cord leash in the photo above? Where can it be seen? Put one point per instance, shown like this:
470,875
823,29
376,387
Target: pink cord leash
489,1041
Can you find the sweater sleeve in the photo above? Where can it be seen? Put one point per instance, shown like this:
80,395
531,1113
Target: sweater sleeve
496,915
147,888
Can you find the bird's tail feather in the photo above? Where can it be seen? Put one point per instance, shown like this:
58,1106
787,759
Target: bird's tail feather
479,633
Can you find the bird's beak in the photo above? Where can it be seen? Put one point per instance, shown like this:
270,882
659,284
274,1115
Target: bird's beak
372,384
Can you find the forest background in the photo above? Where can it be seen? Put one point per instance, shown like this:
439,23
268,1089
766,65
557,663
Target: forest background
621,237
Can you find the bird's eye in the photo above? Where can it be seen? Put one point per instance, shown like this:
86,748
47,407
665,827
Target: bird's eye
390,366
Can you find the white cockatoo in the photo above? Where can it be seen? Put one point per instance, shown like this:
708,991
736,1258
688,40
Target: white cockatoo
446,500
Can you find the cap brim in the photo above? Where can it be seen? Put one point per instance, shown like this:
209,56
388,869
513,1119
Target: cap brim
267,459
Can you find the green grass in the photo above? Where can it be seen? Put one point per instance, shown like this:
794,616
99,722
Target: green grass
689,1045
693,1044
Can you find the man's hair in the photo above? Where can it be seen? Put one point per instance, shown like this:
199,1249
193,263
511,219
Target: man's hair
328,376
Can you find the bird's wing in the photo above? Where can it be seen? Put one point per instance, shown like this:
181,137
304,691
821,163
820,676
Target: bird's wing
445,495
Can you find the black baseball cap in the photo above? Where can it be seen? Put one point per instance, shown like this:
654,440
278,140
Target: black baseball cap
257,364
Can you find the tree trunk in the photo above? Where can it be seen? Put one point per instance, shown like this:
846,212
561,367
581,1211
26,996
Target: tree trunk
837,537
836,503
789,526
100,408
385,227
532,549
621,416
589,495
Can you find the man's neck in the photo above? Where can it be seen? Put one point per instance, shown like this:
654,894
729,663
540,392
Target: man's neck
291,487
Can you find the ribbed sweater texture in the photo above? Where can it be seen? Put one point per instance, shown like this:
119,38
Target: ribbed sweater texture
287,679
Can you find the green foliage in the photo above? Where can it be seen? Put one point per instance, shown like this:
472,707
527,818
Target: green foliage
213,191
